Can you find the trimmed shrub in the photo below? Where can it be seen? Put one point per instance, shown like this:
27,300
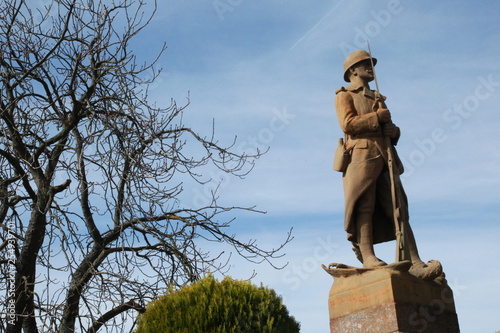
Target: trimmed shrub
227,306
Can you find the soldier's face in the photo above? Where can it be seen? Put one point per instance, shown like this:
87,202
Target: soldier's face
363,70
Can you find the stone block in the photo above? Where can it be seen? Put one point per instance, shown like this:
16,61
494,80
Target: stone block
390,301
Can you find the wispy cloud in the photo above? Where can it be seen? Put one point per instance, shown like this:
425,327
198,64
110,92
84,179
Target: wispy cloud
314,27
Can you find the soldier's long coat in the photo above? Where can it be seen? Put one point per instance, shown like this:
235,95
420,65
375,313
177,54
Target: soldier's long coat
359,122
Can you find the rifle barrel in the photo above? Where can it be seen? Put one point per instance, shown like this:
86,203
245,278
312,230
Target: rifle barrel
373,66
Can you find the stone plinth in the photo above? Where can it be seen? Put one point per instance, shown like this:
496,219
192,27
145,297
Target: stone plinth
390,301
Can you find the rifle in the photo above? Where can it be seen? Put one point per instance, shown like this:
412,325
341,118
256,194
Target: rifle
402,251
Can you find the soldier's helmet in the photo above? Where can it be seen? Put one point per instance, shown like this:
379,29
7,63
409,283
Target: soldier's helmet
352,59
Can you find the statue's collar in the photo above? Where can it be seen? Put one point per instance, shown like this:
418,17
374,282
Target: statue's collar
355,87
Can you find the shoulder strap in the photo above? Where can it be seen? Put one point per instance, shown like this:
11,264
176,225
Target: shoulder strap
339,90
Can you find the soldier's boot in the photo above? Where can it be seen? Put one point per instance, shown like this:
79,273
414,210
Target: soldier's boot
365,242
369,258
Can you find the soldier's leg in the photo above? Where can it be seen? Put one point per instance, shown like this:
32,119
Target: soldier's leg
428,271
364,228
384,197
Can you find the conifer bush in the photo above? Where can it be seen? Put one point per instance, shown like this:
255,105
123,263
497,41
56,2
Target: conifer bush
225,306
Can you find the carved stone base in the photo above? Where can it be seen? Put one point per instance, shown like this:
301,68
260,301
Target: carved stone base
385,300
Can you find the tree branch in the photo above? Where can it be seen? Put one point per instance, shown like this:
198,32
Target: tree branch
130,305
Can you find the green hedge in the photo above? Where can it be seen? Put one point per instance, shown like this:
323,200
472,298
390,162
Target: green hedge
223,307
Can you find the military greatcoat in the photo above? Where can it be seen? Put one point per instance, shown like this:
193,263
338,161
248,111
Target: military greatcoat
368,165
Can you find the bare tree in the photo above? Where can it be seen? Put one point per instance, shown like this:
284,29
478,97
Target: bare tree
91,173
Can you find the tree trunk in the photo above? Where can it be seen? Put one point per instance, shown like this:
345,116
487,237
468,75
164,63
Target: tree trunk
26,265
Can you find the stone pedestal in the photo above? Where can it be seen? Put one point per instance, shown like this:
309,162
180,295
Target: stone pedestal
390,301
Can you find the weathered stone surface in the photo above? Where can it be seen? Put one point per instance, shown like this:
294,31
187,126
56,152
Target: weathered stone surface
390,301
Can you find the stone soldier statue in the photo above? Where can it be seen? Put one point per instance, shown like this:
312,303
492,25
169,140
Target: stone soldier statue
369,207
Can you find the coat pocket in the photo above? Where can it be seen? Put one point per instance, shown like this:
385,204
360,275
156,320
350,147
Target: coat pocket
364,151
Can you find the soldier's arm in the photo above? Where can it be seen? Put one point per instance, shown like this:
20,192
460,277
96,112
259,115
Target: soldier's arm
349,120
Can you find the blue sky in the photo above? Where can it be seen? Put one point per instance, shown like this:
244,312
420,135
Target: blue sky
267,72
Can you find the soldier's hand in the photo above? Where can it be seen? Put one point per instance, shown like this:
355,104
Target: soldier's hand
390,130
384,115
